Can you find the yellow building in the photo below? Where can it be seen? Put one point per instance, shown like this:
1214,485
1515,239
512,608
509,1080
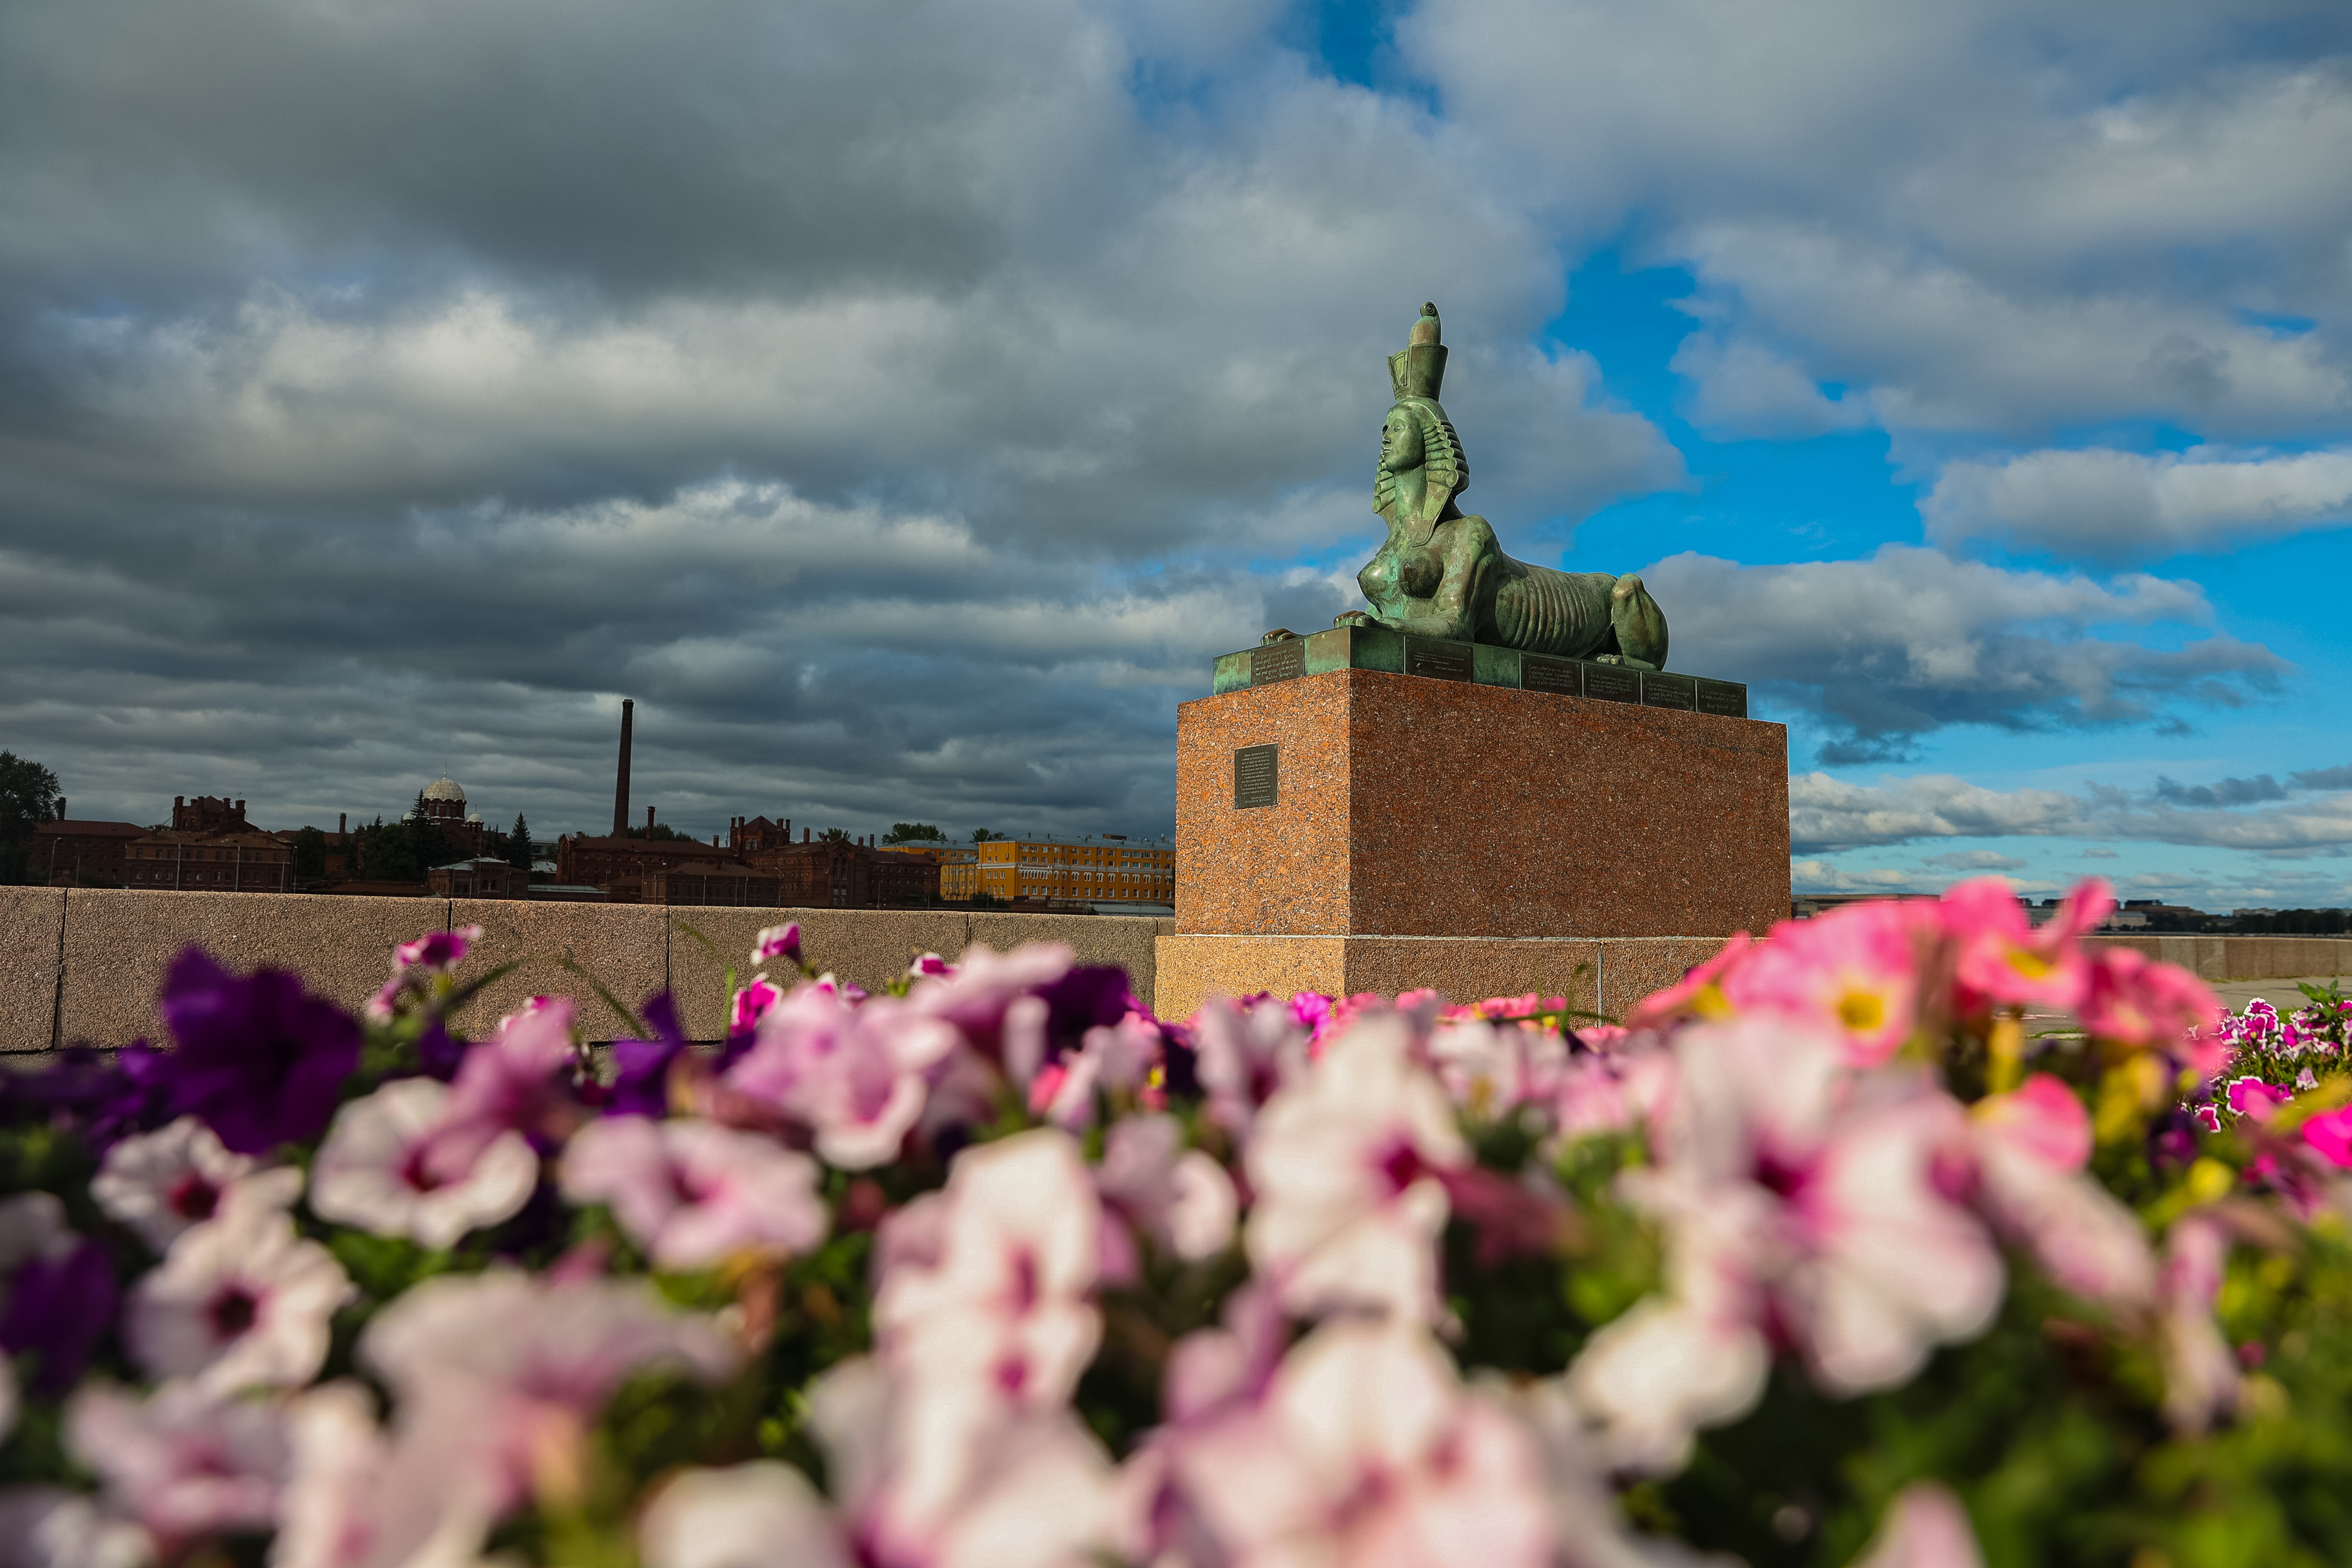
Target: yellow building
1097,870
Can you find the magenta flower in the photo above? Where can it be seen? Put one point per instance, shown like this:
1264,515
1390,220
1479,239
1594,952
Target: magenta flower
439,951
751,1005
2255,1100
1697,994
262,1061
929,966
692,1194
519,1080
2329,1135
976,995
183,1462
778,941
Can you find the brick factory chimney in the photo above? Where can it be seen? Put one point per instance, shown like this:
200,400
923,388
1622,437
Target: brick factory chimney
649,821
620,784
343,823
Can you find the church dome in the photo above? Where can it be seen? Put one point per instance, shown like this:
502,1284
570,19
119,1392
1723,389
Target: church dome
443,789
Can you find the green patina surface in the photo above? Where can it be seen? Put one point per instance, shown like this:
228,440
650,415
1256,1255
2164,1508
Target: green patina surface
1483,664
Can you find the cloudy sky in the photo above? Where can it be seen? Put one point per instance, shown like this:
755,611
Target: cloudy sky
904,402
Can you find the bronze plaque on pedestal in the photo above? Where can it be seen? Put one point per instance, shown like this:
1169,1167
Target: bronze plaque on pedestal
1438,660
1660,689
1256,776
1285,660
1564,676
1726,698
1613,683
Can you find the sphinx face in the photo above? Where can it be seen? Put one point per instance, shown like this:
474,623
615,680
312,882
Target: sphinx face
1401,448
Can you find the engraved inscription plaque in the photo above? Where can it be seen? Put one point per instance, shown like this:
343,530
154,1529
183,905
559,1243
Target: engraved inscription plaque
1727,698
1565,676
1278,661
1613,683
1660,689
1438,660
1256,773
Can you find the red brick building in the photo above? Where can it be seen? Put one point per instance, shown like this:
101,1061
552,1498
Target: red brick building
81,854
480,878
244,861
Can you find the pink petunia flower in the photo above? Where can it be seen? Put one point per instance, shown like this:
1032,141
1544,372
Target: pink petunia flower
1180,1198
162,1183
1925,1527
2133,1000
437,951
995,1293
1796,1193
240,1301
1245,1053
1367,1449
778,941
1492,1070
692,1193
183,1462
499,1378
976,996
2200,1373
1853,971
519,1080
933,1477
2001,958
1697,994
853,1075
2030,1145
389,1167
335,1504
49,1527
2329,1135
1347,1167
2255,1099
929,966
752,1004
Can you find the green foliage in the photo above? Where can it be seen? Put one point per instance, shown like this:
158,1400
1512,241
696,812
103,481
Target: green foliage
659,832
982,836
310,854
28,797
518,843
834,836
914,832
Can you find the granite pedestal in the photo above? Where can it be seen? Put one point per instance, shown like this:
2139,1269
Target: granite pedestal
1360,828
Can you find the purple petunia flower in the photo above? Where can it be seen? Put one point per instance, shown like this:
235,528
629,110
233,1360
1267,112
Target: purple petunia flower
260,1059
60,1306
1093,998
641,1085
105,1101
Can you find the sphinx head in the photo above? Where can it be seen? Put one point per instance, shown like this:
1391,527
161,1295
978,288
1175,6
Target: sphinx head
1421,467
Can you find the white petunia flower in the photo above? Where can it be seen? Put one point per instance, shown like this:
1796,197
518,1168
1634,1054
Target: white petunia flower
759,1515
386,1169
161,1183
183,1461
239,1303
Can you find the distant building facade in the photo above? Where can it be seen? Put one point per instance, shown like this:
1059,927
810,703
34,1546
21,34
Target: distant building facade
1093,871
479,878
81,854
242,861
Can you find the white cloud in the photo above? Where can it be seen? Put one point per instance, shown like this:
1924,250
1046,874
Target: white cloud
1908,640
1742,388
2146,506
1829,815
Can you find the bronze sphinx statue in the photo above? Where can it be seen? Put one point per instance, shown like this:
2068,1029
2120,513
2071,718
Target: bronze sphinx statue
1442,574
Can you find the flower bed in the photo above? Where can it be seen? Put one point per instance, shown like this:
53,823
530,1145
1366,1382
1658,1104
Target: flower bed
1824,1255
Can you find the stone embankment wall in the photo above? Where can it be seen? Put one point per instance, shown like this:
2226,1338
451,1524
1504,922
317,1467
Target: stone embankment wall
82,965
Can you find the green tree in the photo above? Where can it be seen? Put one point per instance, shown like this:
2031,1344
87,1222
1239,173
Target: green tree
28,797
387,852
835,835
914,832
309,855
518,843
658,833
982,836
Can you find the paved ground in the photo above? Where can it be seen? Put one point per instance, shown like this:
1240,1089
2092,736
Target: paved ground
2281,993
